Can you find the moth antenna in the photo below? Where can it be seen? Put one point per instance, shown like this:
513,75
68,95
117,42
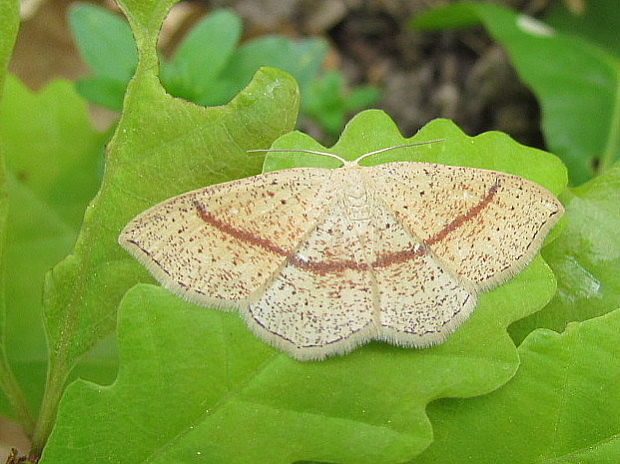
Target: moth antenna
376,152
299,150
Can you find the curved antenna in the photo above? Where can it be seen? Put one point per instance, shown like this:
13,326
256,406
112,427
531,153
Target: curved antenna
299,150
365,155
342,160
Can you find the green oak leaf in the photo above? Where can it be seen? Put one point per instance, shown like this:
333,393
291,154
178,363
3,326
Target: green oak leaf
585,257
162,146
575,81
54,159
204,388
562,406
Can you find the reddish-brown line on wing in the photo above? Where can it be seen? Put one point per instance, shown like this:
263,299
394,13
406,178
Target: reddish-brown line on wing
239,234
463,218
399,257
325,267
244,236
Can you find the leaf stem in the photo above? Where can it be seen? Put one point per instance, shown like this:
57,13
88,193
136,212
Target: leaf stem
57,376
11,388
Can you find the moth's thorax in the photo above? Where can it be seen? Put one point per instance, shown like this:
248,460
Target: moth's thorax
356,196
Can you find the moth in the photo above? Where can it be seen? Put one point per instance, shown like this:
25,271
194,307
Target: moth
320,261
